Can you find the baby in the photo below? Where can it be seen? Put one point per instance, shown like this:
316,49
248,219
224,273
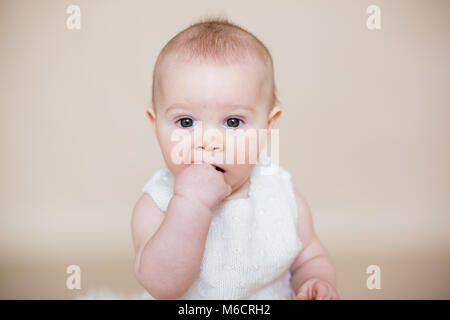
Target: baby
205,228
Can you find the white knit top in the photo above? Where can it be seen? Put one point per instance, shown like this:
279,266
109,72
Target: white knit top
251,242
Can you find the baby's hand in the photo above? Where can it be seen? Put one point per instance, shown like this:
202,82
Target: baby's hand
202,182
316,289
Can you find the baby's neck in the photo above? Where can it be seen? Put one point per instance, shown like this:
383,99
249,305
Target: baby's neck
241,192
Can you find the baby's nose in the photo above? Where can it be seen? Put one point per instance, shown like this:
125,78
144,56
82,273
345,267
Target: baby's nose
210,140
208,147
213,146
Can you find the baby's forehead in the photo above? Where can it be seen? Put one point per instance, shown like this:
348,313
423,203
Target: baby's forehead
245,81
173,61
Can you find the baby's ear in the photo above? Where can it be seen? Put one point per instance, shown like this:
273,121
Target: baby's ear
274,116
151,114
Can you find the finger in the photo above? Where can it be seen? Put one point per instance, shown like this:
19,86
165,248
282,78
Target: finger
301,296
303,293
321,291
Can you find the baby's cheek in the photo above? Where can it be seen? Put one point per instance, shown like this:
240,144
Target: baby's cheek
177,149
176,169
176,157
241,150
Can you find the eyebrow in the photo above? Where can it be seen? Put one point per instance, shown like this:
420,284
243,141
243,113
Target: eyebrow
180,107
183,106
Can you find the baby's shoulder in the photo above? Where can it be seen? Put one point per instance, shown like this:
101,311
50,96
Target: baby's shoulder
160,187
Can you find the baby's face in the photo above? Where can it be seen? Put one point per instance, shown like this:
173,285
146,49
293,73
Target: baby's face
218,100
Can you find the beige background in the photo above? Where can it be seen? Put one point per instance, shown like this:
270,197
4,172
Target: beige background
365,133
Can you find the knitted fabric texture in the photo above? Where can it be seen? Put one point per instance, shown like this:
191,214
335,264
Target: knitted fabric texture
251,243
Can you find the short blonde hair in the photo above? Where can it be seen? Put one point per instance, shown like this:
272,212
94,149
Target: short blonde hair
219,40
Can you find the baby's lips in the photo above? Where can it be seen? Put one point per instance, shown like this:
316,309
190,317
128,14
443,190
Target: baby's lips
218,167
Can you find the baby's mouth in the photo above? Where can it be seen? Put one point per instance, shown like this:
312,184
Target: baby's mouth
219,169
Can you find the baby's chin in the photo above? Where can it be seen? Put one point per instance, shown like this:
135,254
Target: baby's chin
239,186
236,175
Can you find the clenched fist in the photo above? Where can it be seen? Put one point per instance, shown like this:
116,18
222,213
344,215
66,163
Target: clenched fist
203,183
317,289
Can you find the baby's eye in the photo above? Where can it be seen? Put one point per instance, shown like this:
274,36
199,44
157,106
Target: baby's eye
185,122
233,122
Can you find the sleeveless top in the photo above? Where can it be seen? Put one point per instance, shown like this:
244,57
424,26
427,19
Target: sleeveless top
251,242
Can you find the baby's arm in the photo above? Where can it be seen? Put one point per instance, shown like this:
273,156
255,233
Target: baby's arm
313,272
169,246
